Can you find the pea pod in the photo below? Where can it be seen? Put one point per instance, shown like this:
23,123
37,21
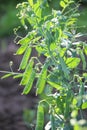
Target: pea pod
41,80
40,118
22,48
27,73
30,83
25,58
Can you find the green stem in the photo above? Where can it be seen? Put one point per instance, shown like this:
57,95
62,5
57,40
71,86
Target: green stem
8,72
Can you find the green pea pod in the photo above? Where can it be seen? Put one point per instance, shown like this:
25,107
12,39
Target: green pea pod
30,83
41,80
22,48
27,73
40,118
25,58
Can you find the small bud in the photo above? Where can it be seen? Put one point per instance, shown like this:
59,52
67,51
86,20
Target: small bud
11,63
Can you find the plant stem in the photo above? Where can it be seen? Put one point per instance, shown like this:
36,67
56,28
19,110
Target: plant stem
6,72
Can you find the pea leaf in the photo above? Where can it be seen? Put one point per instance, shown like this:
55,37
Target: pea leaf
72,62
64,66
84,105
54,80
30,2
6,75
55,85
27,38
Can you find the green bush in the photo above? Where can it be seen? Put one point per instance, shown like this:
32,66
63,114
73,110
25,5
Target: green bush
61,79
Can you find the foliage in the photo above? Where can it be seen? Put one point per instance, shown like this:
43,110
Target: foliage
61,79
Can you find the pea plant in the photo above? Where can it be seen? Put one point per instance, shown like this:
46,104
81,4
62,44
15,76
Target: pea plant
60,80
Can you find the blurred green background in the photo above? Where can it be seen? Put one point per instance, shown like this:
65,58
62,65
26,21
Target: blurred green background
9,20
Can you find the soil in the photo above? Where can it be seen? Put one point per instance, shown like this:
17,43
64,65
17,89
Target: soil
12,103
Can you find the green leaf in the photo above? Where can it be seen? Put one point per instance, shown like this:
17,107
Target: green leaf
27,73
37,9
84,105
41,80
72,62
62,51
40,118
55,85
30,83
74,102
49,98
54,80
85,75
7,75
23,40
74,113
71,21
64,66
36,39
62,4
48,89
25,58
27,39
53,46
30,2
